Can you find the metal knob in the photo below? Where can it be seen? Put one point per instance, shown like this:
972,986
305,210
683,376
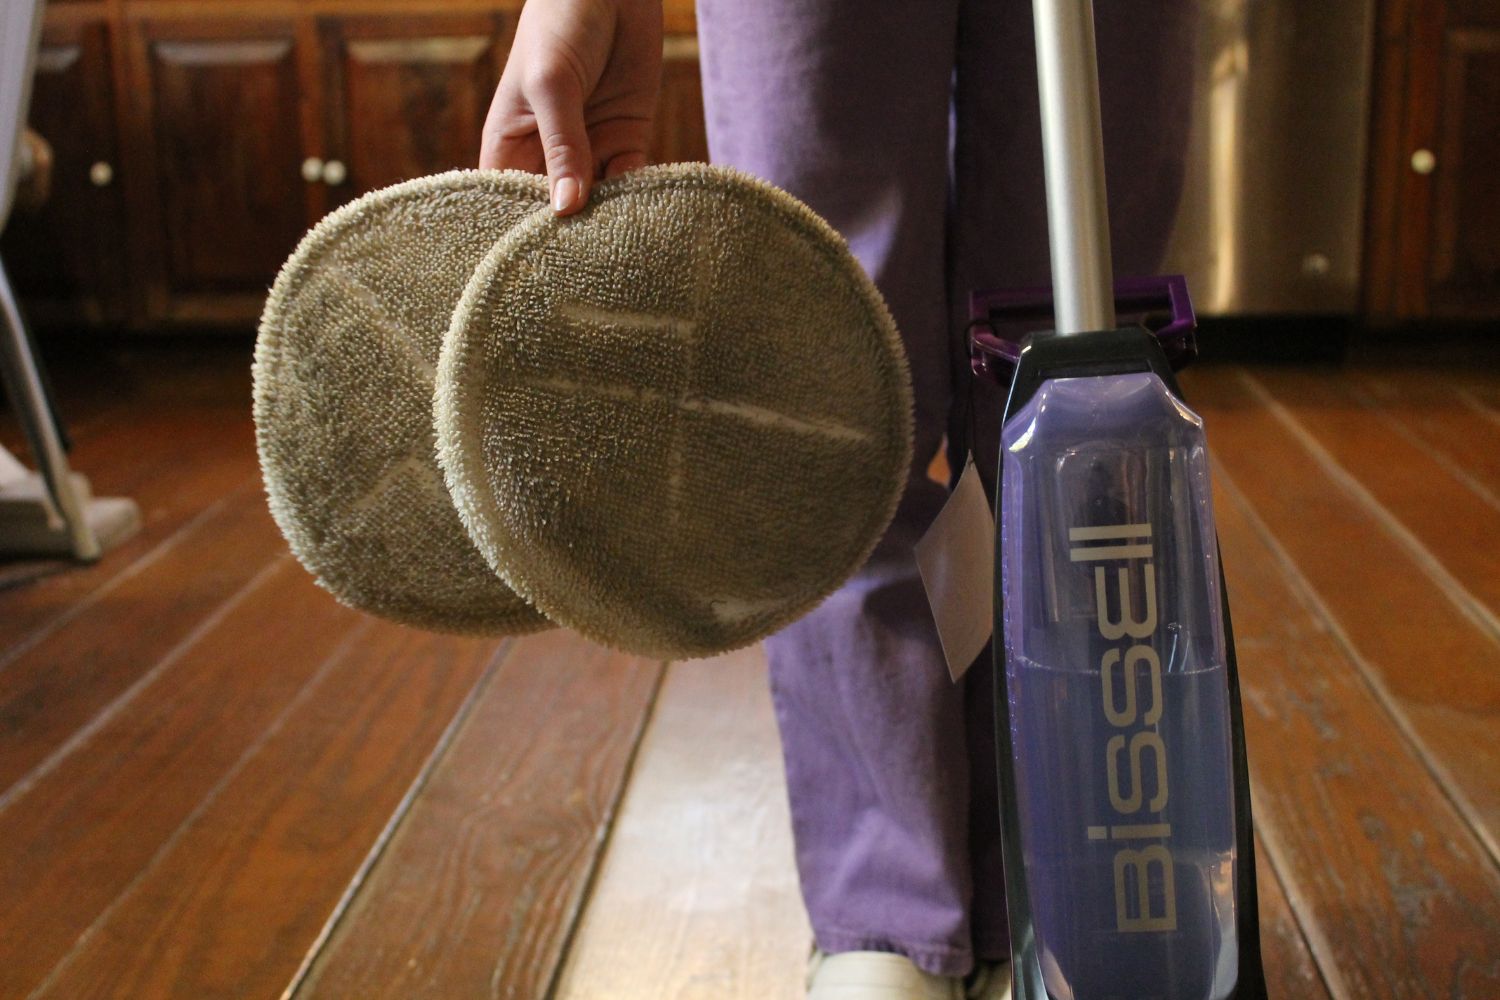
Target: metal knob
101,174
1423,162
312,169
334,173
1316,265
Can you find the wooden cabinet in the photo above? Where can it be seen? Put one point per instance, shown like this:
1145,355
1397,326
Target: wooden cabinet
69,257
1434,220
406,96
215,181
226,129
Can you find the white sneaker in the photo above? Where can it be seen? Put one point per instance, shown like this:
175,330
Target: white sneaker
876,975
989,981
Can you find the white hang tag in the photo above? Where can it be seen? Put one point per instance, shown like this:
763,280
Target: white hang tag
957,561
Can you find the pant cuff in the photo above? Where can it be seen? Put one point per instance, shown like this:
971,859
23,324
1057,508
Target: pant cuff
936,959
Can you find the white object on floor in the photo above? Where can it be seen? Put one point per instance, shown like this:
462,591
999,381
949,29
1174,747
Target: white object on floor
47,513
991,981
32,525
876,975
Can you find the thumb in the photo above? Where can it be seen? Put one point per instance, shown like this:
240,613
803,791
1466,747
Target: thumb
565,142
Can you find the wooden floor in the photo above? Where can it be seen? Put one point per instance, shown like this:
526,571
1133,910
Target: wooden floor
216,782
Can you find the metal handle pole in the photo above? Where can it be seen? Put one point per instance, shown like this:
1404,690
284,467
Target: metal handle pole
1073,144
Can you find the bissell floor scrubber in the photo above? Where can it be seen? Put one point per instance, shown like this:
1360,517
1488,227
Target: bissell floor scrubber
1129,862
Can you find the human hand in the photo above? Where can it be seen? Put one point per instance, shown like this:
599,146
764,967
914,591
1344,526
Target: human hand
578,94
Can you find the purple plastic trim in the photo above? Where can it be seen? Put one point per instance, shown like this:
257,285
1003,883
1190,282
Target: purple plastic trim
1000,321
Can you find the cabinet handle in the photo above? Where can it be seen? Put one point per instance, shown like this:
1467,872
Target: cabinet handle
312,169
334,173
1423,162
101,174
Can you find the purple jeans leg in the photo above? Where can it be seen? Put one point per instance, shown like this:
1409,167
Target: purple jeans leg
846,104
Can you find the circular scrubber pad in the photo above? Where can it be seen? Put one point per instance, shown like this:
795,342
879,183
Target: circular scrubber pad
679,419
344,369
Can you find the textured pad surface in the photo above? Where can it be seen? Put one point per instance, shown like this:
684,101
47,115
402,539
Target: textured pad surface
678,420
344,369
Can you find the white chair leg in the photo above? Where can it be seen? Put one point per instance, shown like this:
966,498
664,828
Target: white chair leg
23,385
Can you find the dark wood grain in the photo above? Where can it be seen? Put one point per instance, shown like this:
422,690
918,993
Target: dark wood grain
1291,971
1388,609
1389,884
1449,527
482,883
92,824
175,462
407,96
135,625
1355,777
217,199
1387,161
1464,271
68,258
230,908
1440,416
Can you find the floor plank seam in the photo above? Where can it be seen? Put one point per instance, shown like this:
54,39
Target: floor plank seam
591,879
1318,945
403,808
1446,462
1478,405
86,732
137,566
356,632
1447,784
1450,586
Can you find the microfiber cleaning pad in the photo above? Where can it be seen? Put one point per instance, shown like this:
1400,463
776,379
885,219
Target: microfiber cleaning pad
678,420
344,368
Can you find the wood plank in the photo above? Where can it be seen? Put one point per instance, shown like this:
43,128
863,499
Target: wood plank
1389,884
175,466
698,895
1425,658
1291,972
1446,526
83,833
236,901
479,888
1431,409
131,627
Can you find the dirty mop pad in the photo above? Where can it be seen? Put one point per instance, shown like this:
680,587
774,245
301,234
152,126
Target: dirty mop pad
344,370
678,420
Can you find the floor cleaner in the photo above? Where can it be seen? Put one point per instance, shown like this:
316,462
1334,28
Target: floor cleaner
1124,792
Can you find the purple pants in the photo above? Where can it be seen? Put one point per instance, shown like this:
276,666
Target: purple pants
912,126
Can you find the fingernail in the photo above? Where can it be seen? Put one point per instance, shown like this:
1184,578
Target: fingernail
564,194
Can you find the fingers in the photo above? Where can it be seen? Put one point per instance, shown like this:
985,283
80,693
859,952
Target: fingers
557,102
620,144
508,140
513,153
622,163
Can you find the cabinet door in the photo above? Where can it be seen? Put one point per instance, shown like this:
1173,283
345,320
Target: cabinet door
407,96
679,133
1465,263
1433,233
220,201
66,258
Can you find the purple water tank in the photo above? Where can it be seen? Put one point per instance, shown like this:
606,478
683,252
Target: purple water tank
1118,692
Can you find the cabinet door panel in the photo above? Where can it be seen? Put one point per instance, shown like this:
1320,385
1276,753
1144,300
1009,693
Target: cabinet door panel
219,113
1465,275
66,257
408,96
